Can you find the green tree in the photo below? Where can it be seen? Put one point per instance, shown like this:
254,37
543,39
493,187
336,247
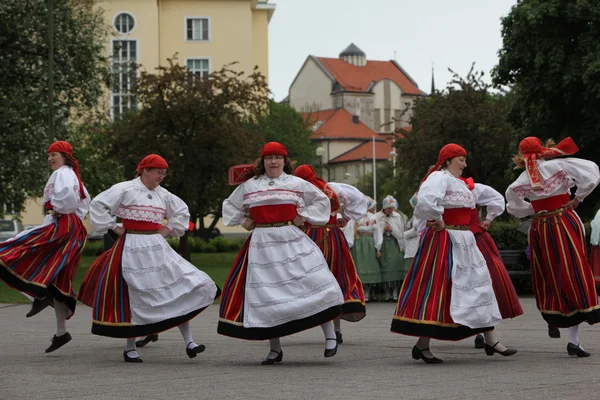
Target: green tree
286,125
200,126
79,72
550,58
468,114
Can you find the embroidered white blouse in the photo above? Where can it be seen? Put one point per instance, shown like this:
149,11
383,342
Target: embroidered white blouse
62,190
369,224
311,203
490,198
558,176
396,221
354,203
442,190
133,200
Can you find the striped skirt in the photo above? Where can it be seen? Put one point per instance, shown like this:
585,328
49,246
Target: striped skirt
425,298
44,260
562,278
505,292
141,286
300,294
335,249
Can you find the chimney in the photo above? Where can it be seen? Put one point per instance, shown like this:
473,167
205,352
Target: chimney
355,119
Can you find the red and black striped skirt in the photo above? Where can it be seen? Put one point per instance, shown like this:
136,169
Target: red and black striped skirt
44,261
562,278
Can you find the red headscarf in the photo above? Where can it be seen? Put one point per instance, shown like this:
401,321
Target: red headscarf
273,149
531,148
151,161
447,152
308,173
64,147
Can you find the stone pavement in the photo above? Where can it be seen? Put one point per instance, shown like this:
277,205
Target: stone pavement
373,363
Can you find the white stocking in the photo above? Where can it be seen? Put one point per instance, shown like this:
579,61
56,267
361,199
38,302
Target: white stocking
131,346
574,335
329,334
61,310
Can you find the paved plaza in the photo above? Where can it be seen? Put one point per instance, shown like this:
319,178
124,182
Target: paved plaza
373,363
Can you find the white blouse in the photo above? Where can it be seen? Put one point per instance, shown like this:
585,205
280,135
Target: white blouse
354,203
490,198
558,176
62,190
396,221
311,203
442,190
369,224
135,201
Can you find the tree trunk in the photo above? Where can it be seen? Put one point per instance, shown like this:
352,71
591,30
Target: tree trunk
184,247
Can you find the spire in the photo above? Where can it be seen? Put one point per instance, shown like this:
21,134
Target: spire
432,80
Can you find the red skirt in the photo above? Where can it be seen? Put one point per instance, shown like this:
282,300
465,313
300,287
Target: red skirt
44,261
562,278
424,300
335,249
505,292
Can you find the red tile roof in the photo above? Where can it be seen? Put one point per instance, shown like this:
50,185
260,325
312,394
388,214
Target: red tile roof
357,79
382,152
338,124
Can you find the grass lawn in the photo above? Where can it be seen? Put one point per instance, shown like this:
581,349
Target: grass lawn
216,265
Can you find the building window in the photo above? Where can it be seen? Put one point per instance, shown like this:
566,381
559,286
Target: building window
197,29
124,58
124,23
199,66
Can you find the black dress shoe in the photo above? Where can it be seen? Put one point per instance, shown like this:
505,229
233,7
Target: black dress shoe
271,361
479,341
39,305
576,350
126,357
338,337
553,332
331,352
490,350
417,354
191,353
146,340
58,342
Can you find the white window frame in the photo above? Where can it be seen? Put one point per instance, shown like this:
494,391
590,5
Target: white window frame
199,58
185,23
112,93
115,20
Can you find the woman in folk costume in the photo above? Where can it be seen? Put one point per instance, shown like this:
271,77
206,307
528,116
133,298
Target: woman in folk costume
595,251
448,293
280,283
42,262
562,278
508,300
352,205
366,249
391,262
141,286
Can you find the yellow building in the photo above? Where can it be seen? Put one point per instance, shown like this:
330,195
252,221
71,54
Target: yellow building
205,35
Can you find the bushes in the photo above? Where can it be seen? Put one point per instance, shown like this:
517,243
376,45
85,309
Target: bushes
506,236
197,245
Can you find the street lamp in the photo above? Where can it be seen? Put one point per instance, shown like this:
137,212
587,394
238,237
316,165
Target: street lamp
319,151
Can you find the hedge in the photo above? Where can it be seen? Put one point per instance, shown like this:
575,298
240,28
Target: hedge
197,245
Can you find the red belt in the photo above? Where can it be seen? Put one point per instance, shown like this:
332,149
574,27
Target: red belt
131,225
550,203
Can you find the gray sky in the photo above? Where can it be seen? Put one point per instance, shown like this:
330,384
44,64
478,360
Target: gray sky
449,34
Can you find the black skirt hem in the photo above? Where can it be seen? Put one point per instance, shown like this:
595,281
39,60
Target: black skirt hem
435,331
289,328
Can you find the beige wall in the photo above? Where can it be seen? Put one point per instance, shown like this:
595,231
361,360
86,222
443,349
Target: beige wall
390,101
237,33
311,91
